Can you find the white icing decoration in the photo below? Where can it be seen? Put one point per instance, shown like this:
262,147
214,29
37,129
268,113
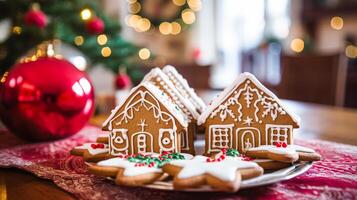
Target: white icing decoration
276,132
134,104
183,87
154,93
290,149
164,141
129,167
172,92
248,131
115,137
219,137
161,80
265,98
261,160
224,170
88,146
248,121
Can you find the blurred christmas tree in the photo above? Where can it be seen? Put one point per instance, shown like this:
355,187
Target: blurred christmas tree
80,23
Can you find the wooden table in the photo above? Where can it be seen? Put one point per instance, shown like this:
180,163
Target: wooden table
318,121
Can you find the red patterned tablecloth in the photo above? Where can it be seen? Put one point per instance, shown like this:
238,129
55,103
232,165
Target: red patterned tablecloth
335,177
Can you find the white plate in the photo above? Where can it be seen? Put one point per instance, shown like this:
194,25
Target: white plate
266,179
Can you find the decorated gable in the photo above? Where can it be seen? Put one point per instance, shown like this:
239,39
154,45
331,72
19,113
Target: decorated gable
248,102
145,123
247,115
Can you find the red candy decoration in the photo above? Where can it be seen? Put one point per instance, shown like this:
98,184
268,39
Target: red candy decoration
97,146
224,150
246,158
277,144
95,26
36,18
284,145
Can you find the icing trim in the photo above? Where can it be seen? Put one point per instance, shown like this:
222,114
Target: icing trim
156,93
182,82
93,151
171,90
229,90
224,169
290,149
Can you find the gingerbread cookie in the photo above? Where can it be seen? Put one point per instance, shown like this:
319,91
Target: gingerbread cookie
159,79
223,172
92,152
102,139
135,170
245,115
146,122
267,164
184,88
283,153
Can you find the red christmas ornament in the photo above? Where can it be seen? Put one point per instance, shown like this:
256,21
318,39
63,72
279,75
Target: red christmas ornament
95,26
36,18
46,99
122,81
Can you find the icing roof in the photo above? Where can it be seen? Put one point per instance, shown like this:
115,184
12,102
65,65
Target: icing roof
172,90
227,92
183,85
160,96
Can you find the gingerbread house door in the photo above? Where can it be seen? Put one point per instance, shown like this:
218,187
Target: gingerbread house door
141,142
246,138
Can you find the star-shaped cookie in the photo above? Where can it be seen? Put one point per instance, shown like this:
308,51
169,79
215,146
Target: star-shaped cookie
135,170
223,173
283,153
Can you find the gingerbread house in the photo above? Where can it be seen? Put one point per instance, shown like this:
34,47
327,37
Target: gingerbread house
183,87
146,122
246,115
159,79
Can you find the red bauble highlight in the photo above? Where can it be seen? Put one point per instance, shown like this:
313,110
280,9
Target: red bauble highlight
46,99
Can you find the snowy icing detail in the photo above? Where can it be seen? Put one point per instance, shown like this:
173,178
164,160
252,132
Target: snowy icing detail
118,137
154,93
138,165
219,137
131,169
269,102
183,87
289,149
225,169
161,80
275,132
261,160
94,148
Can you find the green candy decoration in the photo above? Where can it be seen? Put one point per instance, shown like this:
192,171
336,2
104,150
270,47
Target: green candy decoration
232,153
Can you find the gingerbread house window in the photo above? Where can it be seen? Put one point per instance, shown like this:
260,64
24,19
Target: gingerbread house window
220,136
278,133
118,141
167,140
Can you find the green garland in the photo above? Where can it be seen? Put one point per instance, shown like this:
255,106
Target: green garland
148,160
